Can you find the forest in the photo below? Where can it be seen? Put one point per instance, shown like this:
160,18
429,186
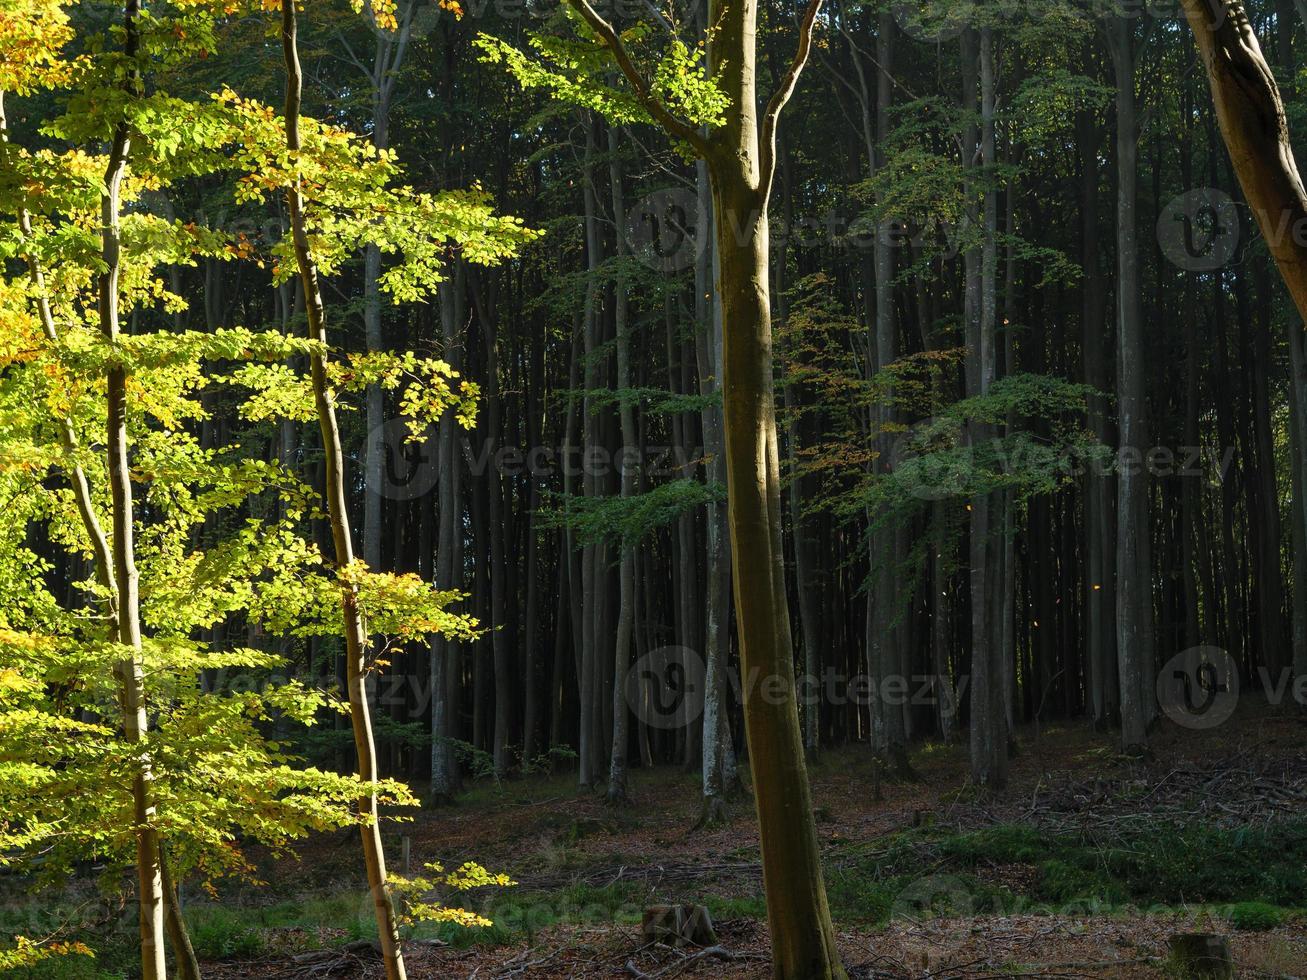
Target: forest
653,488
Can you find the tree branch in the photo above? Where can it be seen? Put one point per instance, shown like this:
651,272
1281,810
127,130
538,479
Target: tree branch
767,132
643,94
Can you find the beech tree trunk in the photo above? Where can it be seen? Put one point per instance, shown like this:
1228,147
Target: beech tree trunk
593,572
444,662
802,935
356,640
628,465
127,614
1133,580
1256,134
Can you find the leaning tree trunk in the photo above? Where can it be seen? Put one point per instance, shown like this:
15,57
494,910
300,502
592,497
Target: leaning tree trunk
127,614
356,640
1256,133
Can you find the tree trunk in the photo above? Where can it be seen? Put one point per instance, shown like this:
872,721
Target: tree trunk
593,574
1256,133
444,676
628,467
188,966
741,164
356,640
802,935
127,614
1133,581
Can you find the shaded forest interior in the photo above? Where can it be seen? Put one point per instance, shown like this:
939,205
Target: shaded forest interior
436,408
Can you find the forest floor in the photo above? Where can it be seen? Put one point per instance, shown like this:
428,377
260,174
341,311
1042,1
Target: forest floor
1084,868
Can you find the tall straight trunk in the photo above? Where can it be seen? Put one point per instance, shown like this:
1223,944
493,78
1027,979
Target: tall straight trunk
741,156
988,717
1133,581
1264,507
1298,516
946,705
386,62
805,550
126,616
530,633
1005,596
717,777
497,519
573,449
628,467
445,673
593,573
1100,532
356,640
687,566
887,651
802,935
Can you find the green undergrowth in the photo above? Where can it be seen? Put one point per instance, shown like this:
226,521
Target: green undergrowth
1254,877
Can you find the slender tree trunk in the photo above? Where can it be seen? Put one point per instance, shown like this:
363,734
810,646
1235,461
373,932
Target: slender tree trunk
802,936
127,615
386,62
188,965
888,651
988,722
531,630
1100,536
741,156
1133,581
356,640
941,624
628,466
717,779
593,573
445,673
1298,517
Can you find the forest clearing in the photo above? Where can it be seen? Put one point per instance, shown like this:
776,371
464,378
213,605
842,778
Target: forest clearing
652,488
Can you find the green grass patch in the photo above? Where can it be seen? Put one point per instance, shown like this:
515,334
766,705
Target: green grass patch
1255,916
1145,864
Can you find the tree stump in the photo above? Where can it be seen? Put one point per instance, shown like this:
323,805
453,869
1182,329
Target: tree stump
678,925
1201,956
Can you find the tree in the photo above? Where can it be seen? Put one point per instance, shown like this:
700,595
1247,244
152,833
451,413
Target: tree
394,221
740,148
1256,134
82,772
